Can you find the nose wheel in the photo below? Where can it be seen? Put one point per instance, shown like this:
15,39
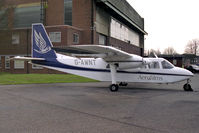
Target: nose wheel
187,86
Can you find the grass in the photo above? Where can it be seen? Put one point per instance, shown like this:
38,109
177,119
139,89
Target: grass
11,79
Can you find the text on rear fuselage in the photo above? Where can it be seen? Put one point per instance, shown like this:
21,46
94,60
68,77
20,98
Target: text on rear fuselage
85,62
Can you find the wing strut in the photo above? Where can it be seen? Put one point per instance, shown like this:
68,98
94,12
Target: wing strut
114,86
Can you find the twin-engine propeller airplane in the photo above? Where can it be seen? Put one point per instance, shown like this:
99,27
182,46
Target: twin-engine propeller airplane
105,63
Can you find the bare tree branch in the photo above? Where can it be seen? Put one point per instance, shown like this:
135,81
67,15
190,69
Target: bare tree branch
152,51
192,47
169,51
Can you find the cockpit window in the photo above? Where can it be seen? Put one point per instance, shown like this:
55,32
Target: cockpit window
154,65
166,65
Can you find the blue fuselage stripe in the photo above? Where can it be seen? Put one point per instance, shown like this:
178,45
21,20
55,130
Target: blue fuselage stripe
55,63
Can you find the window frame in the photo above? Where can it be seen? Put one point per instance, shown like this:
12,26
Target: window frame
26,15
54,36
101,36
68,12
16,38
168,65
7,60
122,32
75,37
19,67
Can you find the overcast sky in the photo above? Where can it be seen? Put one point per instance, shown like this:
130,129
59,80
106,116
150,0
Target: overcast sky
169,23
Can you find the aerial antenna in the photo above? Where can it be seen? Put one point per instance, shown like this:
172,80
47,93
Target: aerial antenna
155,55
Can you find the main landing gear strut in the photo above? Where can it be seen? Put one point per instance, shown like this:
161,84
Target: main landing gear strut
187,86
114,86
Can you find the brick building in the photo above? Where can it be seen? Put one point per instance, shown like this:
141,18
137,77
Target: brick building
183,60
68,22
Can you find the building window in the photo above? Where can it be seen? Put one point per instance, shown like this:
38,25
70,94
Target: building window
36,66
175,62
15,38
102,39
68,12
122,32
7,62
75,38
25,15
18,64
55,36
133,38
3,19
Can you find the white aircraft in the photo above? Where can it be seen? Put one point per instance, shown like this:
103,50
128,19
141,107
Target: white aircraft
105,63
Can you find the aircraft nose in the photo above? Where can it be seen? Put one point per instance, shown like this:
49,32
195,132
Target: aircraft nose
188,73
191,74
184,72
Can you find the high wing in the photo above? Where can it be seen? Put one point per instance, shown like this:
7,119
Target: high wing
108,53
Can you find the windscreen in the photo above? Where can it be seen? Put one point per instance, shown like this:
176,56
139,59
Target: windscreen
166,65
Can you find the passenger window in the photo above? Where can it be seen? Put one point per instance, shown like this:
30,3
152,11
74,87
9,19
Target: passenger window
166,65
143,67
154,65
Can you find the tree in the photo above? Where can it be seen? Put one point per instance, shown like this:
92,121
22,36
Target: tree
169,51
192,47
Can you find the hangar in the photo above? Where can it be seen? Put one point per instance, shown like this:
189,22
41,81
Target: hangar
68,22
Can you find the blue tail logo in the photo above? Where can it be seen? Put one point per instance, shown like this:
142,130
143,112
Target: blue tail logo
41,44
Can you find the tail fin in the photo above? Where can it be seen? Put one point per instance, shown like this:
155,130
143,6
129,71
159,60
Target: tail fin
41,44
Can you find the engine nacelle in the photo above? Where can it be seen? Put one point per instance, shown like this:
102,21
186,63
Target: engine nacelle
129,65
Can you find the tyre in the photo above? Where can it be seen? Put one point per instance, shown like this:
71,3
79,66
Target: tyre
187,87
123,84
114,87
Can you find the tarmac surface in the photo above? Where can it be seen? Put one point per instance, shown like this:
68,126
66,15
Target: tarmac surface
92,108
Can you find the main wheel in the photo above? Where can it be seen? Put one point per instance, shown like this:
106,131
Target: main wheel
123,84
114,87
187,87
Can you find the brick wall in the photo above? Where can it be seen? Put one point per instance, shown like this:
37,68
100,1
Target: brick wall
27,68
24,46
55,12
82,18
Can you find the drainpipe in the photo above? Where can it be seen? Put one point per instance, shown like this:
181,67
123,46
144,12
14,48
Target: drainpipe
27,50
92,23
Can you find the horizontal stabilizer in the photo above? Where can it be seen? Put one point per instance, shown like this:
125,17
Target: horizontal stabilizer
26,58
